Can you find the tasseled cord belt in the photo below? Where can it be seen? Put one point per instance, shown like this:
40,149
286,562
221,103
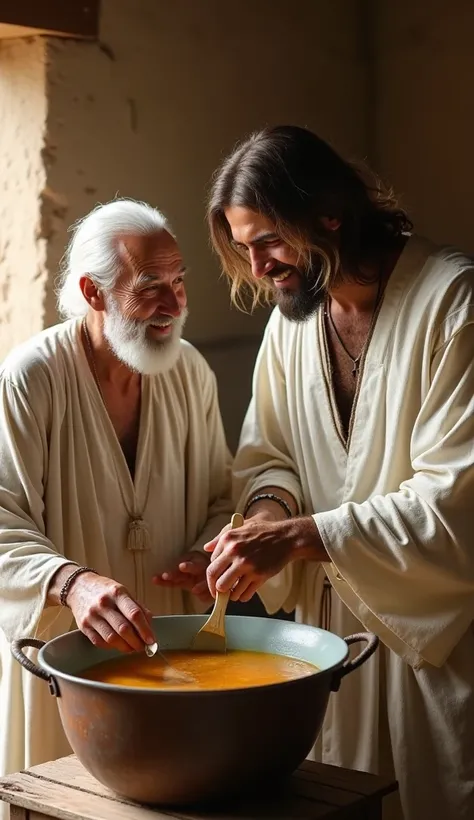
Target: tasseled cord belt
325,607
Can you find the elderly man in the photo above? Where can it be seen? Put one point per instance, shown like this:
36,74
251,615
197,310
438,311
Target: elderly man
115,469
356,461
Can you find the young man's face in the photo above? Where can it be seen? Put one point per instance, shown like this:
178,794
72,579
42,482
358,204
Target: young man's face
298,290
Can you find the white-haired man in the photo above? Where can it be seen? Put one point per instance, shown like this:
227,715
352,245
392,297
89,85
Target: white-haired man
113,458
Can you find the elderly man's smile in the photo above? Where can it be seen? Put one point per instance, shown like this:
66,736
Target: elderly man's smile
160,329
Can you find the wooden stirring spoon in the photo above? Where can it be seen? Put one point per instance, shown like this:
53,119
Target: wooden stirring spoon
211,637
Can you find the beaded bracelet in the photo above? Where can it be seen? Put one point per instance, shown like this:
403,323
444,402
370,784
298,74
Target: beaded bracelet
270,497
67,584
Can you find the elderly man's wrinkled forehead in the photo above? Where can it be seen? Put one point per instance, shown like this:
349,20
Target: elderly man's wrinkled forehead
155,254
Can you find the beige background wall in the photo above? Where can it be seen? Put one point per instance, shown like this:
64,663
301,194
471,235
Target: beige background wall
424,116
23,106
173,87
150,111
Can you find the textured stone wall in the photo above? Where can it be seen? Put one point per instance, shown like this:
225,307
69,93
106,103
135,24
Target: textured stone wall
148,112
23,245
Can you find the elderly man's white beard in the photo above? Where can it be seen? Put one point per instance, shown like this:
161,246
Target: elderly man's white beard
128,341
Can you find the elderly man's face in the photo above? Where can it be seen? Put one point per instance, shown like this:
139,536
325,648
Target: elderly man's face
146,309
151,286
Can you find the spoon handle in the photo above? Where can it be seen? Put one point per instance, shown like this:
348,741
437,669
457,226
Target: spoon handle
237,520
217,620
222,598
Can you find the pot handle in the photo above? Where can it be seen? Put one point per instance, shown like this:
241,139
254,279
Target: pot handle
372,643
16,649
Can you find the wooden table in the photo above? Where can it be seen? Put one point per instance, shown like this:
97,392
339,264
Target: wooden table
64,790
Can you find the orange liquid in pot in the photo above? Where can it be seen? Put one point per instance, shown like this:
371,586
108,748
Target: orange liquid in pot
236,669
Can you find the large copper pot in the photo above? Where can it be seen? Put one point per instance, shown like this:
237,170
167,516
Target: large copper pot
175,747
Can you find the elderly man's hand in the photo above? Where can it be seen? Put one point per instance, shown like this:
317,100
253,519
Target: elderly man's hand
107,615
189,574
244,558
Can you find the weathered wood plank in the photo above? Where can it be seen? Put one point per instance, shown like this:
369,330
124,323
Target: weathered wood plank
63,789
71,773
349,780
280,806
299,802
68,803
345,783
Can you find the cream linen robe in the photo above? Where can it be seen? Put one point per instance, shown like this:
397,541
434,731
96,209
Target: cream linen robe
65,490
395,509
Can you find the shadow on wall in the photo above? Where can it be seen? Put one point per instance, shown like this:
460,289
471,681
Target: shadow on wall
232,360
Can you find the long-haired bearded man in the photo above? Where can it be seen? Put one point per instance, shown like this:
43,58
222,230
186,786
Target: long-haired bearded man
355,468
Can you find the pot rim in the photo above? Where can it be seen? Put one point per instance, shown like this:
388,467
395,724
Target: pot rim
150,692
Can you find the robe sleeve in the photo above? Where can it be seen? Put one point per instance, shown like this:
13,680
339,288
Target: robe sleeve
408,556
28,560
265,455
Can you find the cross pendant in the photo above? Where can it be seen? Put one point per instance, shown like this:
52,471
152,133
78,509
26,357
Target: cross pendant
355,369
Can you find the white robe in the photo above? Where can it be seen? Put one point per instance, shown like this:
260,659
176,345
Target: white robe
395,510
66,490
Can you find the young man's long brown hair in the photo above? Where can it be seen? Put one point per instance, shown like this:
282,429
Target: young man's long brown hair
295,178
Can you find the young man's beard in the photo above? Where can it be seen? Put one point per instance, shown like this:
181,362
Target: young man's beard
299,305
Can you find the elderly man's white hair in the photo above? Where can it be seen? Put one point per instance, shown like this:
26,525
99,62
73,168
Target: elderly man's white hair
93,249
